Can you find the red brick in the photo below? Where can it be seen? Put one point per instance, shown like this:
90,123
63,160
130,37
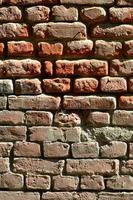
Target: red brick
123,31
107,49
121,68
94,182
85,85
93,14
56,150
37,166
47,68
65,183
128,48
92,166
121,15
38,13
114,150
79,48
10,14
98,118
126,102
47,49
20,68
62,13
13,30
112,84
27,149
90,2
5,149
57,85
1,48
28,86
89,102
76,30
38,102
85,150
35,118
29,2
11,117
20,48
38,182
64,68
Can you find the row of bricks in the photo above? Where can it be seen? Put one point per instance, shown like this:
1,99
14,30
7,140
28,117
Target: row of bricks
64,85
80,2
61,13
65,68
90,149
101,49
73,31
46,102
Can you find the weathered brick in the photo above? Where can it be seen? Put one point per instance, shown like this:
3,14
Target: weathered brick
13,30
27,149
10,14
128,48
35,182
11,181
35,118
30,165
72,134
64,119
68,196
47,49
89,102
123,15
28,86
122,118
5,149
92,166
93,14
127,167
19,68
107,49
7,195
114,196
6,86
86,85
65,183
64,68
90,2
19,48
38,102
56,150
29,2
47,134
2,46
121,68
114,150
4,165
94,182
47,68
12,133
126,102
62,13
3,102
124,2
79,48
120,183
130,150
38,13
85,150
57,85
98,118
130,85
105,135
74,30
123,31
11,117
112,84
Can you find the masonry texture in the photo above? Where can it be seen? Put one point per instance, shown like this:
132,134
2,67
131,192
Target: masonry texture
66,99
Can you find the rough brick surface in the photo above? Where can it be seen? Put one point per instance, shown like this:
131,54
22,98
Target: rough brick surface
66,99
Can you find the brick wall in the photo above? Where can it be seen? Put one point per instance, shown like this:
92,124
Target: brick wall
66,99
